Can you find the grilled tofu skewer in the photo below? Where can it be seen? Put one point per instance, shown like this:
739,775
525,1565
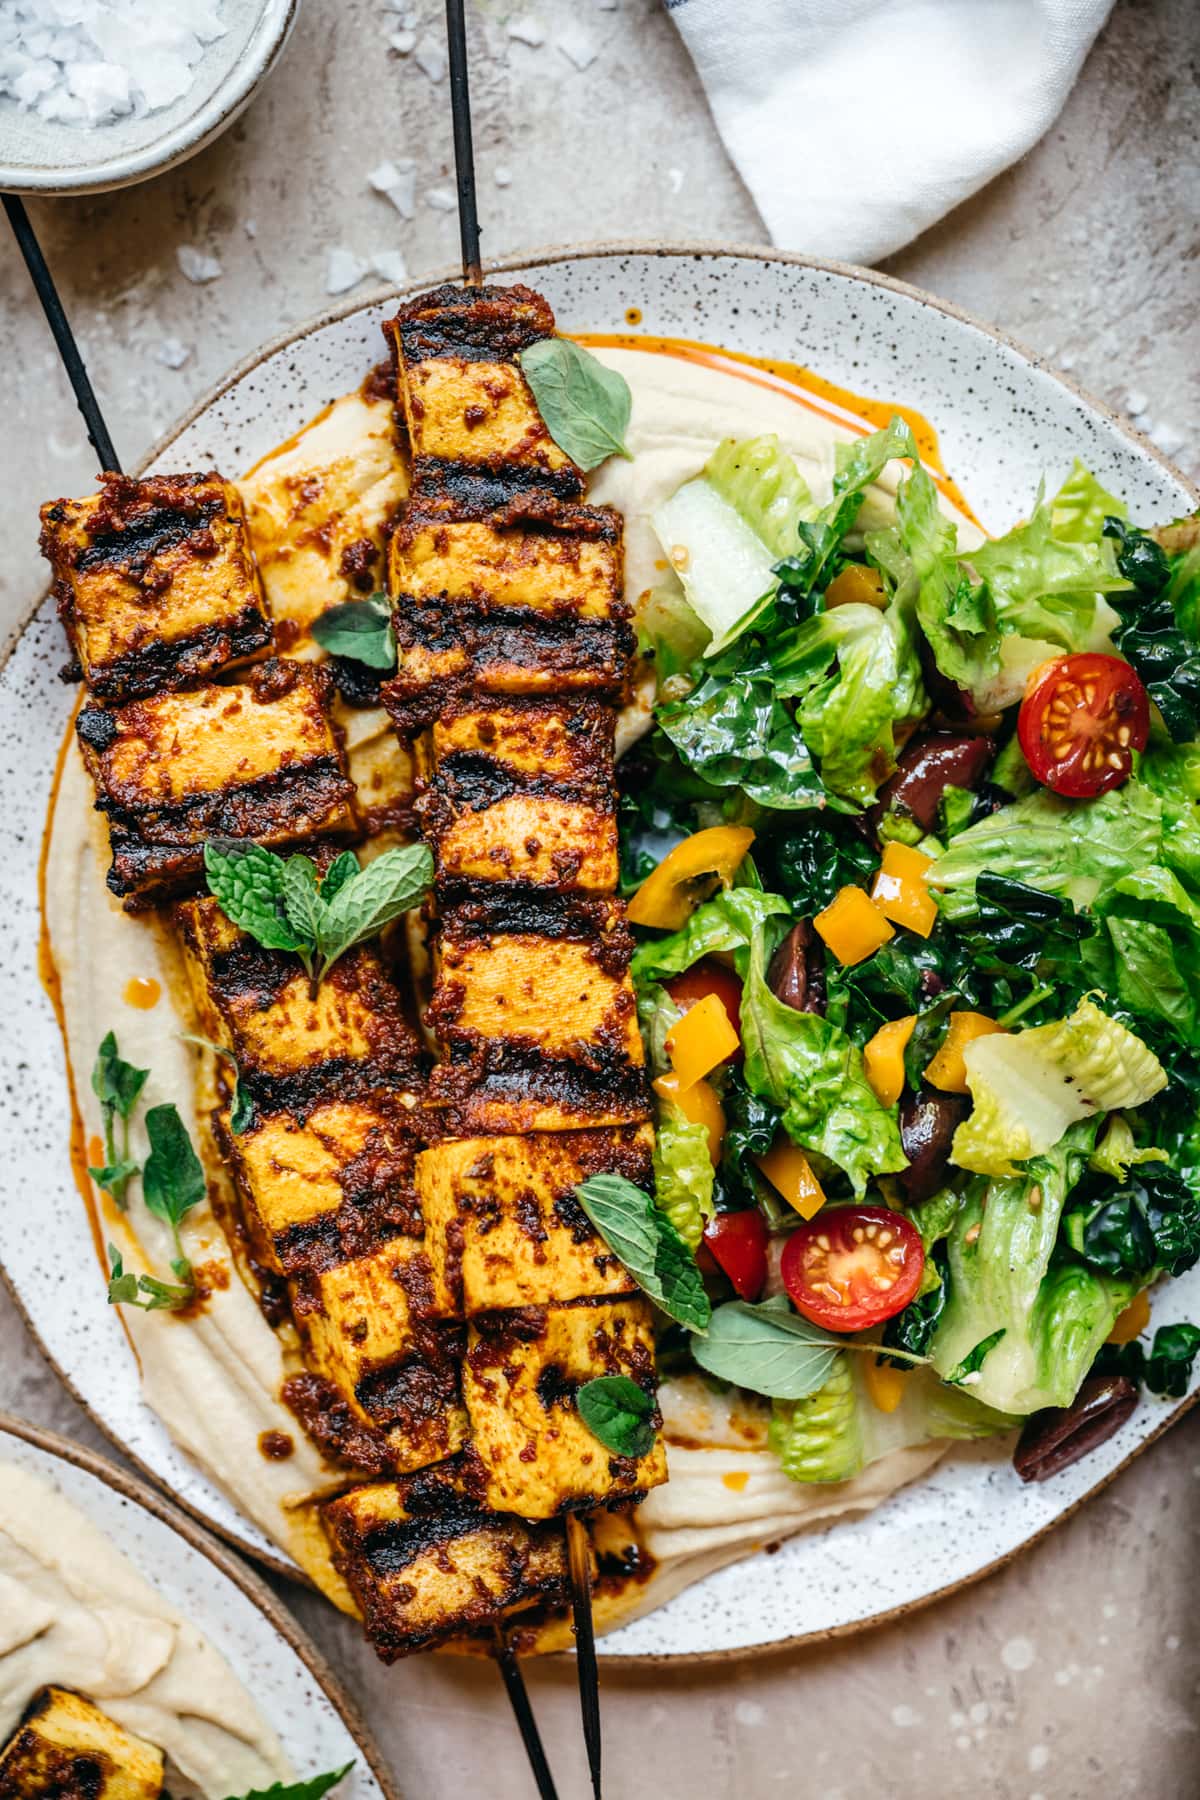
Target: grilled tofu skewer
65,1747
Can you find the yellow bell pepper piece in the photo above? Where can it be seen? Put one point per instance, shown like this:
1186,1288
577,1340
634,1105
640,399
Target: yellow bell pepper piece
948,1068
700,1104
856,586
899,889
692,872
786,1168
852,926
700,1040
885,1383
884,1059
1133,1321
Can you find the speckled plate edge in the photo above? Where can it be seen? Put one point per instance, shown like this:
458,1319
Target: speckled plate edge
528,263
275,1615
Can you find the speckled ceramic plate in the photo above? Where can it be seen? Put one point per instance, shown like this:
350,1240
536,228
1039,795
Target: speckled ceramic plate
1004,420
43,156
295,1691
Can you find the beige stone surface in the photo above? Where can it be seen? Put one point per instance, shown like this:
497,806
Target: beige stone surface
1076,1671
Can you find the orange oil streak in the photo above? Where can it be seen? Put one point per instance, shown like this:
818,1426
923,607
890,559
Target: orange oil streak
52,983
142,992
803,386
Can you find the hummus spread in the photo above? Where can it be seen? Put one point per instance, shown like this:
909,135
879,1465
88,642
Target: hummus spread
74,1612
214,1375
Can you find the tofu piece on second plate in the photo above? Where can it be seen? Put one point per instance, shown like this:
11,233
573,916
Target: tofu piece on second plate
426,1562
522,1374
65,1748
156,582
260,759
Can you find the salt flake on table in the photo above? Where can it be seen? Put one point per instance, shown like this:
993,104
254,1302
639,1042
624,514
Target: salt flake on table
196,264
343,270
442,199
397,182
390,265
430,58
502,175
173,352
578,46
403,42
527,30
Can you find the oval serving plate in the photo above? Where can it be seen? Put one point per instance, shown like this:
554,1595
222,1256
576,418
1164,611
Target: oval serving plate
1003,420
294,1689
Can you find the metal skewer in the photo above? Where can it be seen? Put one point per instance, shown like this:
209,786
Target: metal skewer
514,1683
580,1567
464,151
64,337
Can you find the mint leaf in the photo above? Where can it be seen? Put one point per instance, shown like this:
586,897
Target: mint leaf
618,1412
342,869
360,630
116,1084
312,1789
767,1348
302,902
173,1178
585,406
145,1291
649,1245
247,882
376,895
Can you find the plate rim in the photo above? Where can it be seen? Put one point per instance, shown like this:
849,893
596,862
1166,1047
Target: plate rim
547,256
132,1488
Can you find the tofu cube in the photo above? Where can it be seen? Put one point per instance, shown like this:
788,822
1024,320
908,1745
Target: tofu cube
156,582
538,1022
503,1221
67,1749
294,1051
257,760
426,1563
520,1380
522,792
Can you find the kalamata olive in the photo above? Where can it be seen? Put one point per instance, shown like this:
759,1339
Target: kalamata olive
951,701
797,971
927,767
1054,1439
928,1121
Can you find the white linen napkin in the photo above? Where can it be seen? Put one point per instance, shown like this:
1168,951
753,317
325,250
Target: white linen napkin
857,123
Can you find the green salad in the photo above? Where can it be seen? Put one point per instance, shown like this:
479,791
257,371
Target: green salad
912,851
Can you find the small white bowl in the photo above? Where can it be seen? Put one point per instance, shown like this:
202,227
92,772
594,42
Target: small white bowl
39,156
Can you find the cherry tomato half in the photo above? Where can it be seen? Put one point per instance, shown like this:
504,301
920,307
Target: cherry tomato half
738,1243
710,977
1080,722
852,1266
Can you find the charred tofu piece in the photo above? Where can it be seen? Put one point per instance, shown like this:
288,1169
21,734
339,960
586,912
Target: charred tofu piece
467,406
504,1222
520,1380
535,1012
521,791
257,760
295,1052
67,1749
326,1189
527,599
426,1563
156,582
364,1332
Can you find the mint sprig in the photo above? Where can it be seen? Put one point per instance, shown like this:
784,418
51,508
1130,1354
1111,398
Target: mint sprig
618,1412
144,1291
117,1085
173,1178
649,1245
284,905
360,630
584,405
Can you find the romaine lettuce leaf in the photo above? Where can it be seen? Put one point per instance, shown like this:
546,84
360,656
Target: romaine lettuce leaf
724,923
1080,507
856,674
1029,1087
683,1173
1052,1317
811,1069
837,1432
1080,849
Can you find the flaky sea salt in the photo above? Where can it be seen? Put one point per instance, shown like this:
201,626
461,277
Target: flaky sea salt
577,45
343,270
442,199
91,62
527,30
173,352
430,58
397,182
197,265
389,265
